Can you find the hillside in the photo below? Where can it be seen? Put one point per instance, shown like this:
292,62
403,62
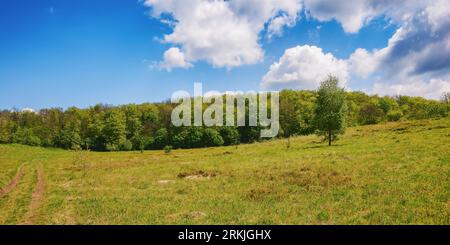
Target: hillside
393,173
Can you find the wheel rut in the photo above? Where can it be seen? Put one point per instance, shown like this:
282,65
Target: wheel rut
13,184
36,199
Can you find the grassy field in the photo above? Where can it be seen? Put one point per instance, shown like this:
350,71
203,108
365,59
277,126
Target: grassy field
394,173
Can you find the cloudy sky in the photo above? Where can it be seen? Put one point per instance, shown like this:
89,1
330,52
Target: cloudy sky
60,53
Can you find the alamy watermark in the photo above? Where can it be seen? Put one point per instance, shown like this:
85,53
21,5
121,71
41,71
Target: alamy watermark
237,105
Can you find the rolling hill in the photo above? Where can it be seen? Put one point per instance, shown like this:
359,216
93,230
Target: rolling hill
393,173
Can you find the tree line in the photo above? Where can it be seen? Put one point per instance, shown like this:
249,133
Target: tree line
148,126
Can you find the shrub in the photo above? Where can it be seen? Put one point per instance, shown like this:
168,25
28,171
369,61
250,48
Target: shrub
148,143
69,139
179,140
230,135
370,114
26,137
194,138
111,147
211,137
394,115
161,138
126,146
249,134
167,149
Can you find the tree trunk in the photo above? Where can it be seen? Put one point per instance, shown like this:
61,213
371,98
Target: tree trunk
329,137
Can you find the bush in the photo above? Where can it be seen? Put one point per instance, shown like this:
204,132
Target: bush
32,140
394,116
126,146
69,139
161,138
370,114
138,143
249,134
167,149
211,137
26,137
111,147
230,135
148,143
179,140
194,138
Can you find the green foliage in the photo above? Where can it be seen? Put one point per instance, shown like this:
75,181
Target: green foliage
211,137
69,139
94,138
160,139
296,112
148,126
249,134
167,149
230,135
330,110
179,139
114,131
194,138
26,136
127,145
370,114
394,115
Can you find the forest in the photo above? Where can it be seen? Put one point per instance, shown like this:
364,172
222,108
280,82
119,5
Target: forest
148,126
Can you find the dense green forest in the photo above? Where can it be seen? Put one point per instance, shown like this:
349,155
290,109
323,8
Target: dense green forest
148,126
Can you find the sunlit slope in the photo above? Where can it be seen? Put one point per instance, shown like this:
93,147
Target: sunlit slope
396,173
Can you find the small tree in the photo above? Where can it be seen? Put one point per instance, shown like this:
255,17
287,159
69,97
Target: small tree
330,110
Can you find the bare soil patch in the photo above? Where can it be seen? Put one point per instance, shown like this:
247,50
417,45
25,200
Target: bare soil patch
197,175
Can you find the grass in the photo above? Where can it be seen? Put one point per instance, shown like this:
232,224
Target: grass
394,173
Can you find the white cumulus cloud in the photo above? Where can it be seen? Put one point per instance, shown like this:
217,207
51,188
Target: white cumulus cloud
304,67
417,57
173,58
416,60
223,33
432,89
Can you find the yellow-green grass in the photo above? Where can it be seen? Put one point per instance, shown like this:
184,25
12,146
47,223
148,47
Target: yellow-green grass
394,173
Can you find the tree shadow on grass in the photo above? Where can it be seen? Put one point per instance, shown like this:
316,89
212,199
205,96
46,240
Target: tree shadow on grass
320,146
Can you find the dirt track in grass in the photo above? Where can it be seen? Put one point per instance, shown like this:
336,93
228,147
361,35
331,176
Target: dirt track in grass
14,182
37,197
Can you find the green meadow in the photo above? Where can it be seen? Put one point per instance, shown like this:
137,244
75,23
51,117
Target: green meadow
392,173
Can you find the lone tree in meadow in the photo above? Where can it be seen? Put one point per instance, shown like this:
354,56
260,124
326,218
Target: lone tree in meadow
330,110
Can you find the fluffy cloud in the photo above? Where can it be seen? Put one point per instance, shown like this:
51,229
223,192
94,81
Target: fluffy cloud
304,67
417,57
416,60
223,33
353,15
227,33
278,23
173,58
432,89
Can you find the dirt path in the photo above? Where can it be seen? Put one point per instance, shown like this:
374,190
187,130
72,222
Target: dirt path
14,182
36,200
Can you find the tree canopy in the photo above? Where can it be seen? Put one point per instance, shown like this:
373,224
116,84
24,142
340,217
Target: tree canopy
330,110
148,126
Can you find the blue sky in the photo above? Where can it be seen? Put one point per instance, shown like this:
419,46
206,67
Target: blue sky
65,53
